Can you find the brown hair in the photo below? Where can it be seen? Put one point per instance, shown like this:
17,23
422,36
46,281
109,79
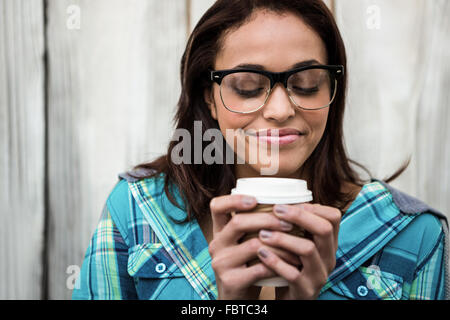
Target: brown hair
328,166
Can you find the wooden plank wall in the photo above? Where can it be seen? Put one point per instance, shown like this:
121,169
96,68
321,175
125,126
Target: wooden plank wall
398,98
91,90
431,146
22,147
114,84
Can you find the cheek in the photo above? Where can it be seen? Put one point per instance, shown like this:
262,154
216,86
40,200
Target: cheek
317,122
230,125
228,119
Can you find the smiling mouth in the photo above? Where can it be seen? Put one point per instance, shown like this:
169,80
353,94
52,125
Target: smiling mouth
279,137
275,133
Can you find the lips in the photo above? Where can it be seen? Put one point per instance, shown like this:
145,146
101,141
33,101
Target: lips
278,132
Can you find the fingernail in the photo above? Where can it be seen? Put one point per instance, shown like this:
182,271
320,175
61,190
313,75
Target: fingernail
263,253
265,234
280,209
248,201
286,226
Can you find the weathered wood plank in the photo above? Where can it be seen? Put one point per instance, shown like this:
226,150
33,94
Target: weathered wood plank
432,136
399,68
21,148
199,7
114,85
384,54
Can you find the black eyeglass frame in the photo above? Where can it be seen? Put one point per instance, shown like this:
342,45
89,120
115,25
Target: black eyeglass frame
336,72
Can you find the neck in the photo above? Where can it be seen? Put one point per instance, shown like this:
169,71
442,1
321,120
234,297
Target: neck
247,171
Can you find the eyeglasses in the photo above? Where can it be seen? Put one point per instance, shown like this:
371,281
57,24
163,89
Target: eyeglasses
247,90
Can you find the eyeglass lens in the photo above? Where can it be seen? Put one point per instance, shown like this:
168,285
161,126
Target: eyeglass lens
248,91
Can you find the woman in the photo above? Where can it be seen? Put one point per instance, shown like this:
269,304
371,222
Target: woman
167,232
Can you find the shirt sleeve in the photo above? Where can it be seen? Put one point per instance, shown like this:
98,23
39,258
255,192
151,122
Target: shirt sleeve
429,281
104,273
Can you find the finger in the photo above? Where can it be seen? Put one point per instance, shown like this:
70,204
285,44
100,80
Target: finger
326,245
280,267
296,245
243,223
333,215
311,222
221,208
313,274
239,255
236,256
302,247
246,277
322,230
286,256
299,246
258,272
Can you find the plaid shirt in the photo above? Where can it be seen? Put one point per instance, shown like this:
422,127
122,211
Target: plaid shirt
138,251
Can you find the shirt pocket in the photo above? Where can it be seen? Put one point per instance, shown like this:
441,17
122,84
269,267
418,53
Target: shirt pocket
368,283
154,271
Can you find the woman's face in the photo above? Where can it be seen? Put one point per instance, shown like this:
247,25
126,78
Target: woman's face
275,43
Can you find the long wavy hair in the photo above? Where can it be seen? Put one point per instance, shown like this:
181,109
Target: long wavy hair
328,167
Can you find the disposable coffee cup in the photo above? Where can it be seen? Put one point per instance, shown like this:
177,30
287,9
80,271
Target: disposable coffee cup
269,192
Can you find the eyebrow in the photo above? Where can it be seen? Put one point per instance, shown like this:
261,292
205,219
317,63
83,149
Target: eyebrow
261,67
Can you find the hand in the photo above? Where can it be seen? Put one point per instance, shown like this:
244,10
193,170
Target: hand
234,278
318,255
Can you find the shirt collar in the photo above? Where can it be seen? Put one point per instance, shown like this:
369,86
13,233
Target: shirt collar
369,224
184,242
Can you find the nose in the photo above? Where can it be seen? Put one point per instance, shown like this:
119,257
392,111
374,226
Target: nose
279,106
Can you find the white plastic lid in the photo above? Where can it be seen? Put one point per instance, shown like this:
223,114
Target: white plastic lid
274,190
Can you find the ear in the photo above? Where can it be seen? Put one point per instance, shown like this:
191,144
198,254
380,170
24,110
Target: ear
209,99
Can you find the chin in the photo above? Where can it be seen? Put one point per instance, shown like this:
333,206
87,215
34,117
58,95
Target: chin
290,170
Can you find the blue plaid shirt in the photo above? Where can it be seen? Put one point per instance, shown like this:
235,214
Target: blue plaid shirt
385,251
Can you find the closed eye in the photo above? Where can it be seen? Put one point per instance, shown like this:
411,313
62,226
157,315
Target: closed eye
248,93
305,91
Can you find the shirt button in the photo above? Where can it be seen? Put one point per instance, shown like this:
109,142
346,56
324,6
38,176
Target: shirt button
160,267
362,291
